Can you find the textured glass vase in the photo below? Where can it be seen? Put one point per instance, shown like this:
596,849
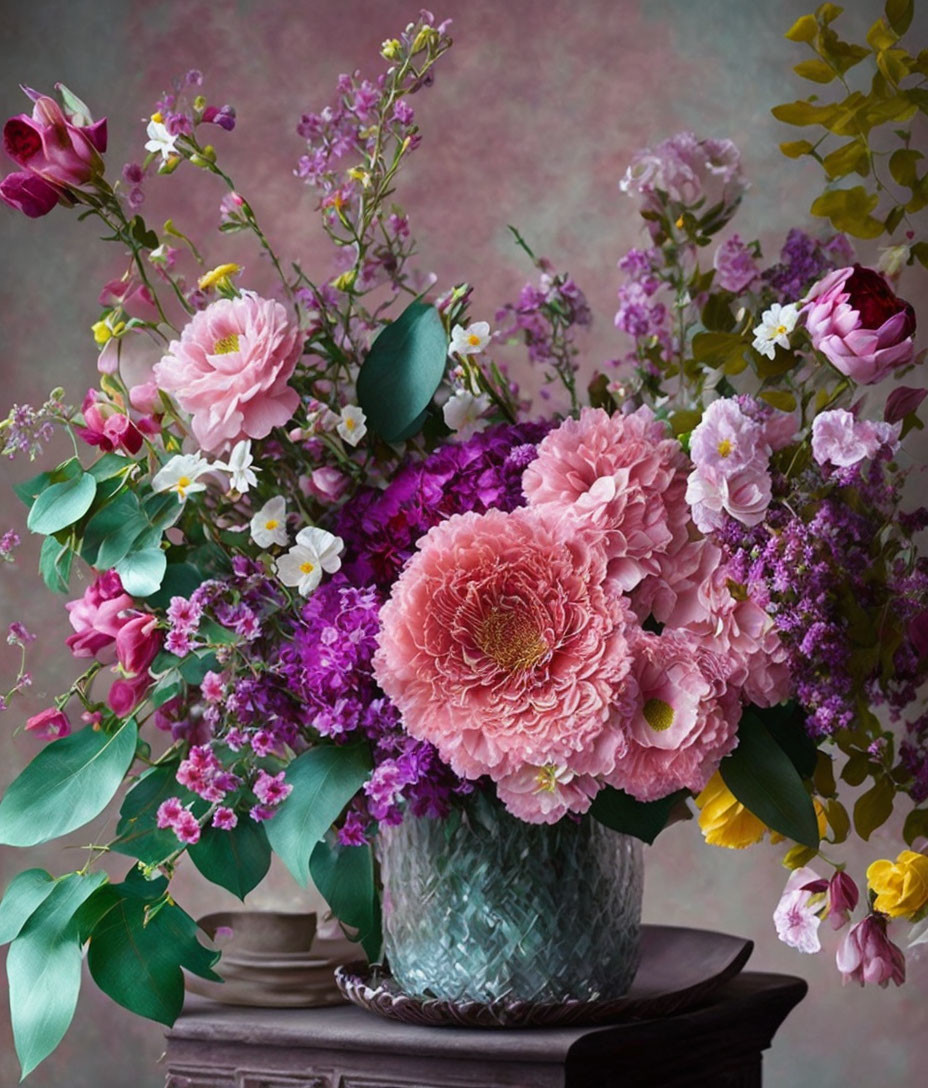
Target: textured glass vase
494,908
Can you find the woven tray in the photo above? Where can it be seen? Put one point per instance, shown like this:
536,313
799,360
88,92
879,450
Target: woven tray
679,968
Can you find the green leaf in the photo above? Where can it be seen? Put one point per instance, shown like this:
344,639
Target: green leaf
68,783
135,956
643,819
110,465
915,826
762,777
108,535
62,504
786,725
324,780
23,894
873,808
344,876
142,572
237,860
29,490
402,371
720,349
44,970
804,113
780,398
819,71
845,159
899,14
55,560
180,580
138,834
902,166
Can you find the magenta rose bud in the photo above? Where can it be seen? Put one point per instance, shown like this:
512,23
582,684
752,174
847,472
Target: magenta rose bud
137,644
843,896
868,955
902,402
859,324
49,724
29,194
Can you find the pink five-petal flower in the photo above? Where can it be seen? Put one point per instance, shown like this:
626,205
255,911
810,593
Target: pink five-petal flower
866,954
795,918
230,369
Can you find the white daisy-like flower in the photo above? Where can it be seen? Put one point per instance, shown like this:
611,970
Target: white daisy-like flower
269,525
775,326
182,475
469,341
315,552
241,474
462,413
352,425
159,139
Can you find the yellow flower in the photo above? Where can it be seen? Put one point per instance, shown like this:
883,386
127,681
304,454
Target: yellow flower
724,820
390,49
902,886
220,277
101,332
345,281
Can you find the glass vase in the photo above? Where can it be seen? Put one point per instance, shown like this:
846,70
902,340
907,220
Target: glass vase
487,907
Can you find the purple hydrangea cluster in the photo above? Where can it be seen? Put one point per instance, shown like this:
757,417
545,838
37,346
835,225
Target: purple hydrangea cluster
803,260
380,528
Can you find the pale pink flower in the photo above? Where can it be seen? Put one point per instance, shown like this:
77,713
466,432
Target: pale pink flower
230,369
735,267
866,954
796,918
542,795
726,441
500,647
678,714
621,479
744,495
838,437
859,324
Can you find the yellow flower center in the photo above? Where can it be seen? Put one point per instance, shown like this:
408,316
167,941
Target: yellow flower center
547,778
307,567
157,117
658,714
474,340
511,640
350,423
225,345
725,447
782,330
271,523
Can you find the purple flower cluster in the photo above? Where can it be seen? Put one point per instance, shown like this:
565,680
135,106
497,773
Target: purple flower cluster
735,267
380,528
640,314
27,430
803,260
9,542
545,315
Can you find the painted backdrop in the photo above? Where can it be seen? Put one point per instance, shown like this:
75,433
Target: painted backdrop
531,121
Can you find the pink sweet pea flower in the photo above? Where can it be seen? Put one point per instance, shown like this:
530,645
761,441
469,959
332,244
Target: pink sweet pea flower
98,616
49,724
29,194
859,324
842,440
107,427
796,920
134,298
868,955
137,643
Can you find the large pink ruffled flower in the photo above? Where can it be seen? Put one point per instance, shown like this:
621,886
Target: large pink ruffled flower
678,713
230,369
621,478
499,645
859,324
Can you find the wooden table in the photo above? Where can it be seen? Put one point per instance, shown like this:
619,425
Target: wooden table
719,1044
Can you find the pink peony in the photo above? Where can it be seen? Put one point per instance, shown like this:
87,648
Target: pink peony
542,795
866,954
230,369
726,441
744,496
859,324
839,438
621,480
98,616
500,647
688,171
678,714
49,724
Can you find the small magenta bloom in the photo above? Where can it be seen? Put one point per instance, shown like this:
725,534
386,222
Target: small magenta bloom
859,324
866,954
271,789
98,616
224,818
108,427
843,896
49,724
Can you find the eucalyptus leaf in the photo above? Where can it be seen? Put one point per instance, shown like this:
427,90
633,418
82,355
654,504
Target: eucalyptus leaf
55,561
61,504
23,894
141,572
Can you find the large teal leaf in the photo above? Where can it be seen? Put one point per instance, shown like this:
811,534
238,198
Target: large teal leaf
109,534
55,561
62,504
138,834
643,819
403,369
44,970
344,876
324,780
68,783
23,894
762,777
237,859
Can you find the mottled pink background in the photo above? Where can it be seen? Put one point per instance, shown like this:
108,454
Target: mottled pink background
531,121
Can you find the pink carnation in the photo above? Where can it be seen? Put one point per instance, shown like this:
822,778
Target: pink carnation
839,438
230,369
500,647
98,616
679,716
621,478
542,795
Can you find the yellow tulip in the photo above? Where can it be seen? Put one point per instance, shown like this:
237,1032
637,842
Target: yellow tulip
902,886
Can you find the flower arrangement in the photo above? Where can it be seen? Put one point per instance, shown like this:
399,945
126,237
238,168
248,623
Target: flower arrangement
339,574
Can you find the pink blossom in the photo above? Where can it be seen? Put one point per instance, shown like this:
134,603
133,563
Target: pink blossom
859,324
187,828
500,647
137,643
49,724
184,615
125,695
542,795
688,171
107,427
145,398
326,483
726,441
866,954
224,818
620,479
839,438
134,298
178,643
230,369
678,715
745,496
796,919
29,194
212,687
842,897
169,812
271,789
260,813
735,267
97,616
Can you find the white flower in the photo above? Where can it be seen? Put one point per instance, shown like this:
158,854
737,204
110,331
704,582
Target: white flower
182,474
159,139
795,918
269,525
352,424
775,326
241,474
315,551
462,413
469,341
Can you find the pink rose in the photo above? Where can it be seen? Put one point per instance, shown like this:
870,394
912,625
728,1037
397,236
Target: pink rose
842,440
868,955
230,369
97,616
49,724
859,324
